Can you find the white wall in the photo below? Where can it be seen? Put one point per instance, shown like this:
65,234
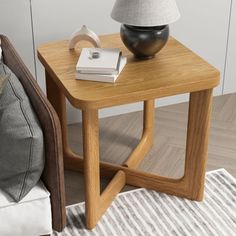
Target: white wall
15,22
55,20
203,27
230,73
198,29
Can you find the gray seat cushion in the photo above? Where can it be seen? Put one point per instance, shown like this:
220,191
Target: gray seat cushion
21,140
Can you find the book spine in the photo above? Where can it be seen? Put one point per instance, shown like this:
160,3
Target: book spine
98,78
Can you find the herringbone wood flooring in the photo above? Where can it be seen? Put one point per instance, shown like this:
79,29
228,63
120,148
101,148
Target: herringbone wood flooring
120,134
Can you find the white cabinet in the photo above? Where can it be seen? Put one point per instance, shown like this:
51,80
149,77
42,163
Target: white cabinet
230,70
15,22
203,27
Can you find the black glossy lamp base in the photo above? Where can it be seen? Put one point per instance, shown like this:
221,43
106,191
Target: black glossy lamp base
144,57
144,42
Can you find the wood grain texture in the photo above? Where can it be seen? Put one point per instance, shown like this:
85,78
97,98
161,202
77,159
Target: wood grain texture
120,134
178,70
113,188
96,203
200,107
190,186
146,141
175,186
175,70
91,166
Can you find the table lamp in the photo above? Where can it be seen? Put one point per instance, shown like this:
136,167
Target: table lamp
145,24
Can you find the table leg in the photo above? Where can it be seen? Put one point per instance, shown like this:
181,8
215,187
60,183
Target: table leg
95,203
200,107
146,141
91,166
58,101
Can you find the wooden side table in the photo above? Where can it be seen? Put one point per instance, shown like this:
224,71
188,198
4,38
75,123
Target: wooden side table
175,70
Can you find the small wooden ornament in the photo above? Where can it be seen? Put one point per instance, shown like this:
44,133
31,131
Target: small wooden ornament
84,34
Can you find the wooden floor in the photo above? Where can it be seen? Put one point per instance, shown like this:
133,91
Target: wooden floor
120,134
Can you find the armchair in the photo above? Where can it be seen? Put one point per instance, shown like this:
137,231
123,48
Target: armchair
53,174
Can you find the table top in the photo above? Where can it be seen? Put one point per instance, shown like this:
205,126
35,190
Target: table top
175,70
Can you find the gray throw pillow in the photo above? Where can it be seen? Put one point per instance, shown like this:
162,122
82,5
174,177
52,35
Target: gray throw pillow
21,140
3,80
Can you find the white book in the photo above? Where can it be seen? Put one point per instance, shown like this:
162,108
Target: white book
102,78
107,63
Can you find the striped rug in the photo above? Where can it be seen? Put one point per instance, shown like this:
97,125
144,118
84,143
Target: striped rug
149,213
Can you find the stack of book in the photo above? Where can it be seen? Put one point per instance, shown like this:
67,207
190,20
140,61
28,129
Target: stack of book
97,64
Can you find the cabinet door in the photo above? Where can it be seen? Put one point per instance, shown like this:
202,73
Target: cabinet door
203,27
15,22
230,73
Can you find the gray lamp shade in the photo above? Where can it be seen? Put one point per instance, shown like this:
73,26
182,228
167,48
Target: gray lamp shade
145,12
